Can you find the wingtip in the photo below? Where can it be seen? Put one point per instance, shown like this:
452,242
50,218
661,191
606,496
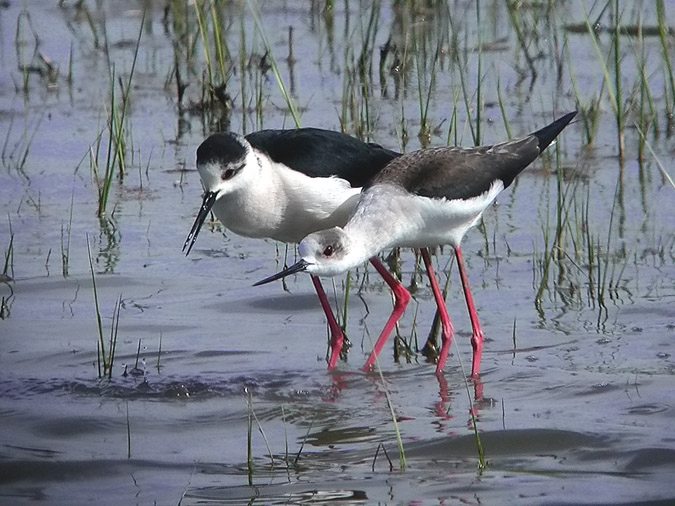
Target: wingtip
548,134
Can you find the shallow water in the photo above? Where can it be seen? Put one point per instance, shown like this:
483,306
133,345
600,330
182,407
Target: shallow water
576,399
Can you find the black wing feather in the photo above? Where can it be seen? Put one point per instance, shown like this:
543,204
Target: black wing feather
323,153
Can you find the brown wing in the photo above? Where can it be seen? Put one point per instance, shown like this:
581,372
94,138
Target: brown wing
462,173
458,173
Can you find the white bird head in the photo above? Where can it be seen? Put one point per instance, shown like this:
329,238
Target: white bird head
224,161
324,253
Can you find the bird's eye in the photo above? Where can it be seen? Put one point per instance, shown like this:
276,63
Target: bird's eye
227,174
328,251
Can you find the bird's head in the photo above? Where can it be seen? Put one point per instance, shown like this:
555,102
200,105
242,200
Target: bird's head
324,253
223,160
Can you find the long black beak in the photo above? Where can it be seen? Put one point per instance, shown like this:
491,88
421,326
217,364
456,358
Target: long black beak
207,204
296,267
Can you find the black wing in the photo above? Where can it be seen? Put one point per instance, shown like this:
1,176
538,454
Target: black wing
462,173
322,153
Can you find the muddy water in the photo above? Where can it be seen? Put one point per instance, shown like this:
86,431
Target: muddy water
576,399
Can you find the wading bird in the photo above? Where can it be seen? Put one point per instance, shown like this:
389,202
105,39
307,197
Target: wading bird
284,185
422,199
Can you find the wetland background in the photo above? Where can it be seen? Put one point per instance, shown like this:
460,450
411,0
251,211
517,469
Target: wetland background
218,391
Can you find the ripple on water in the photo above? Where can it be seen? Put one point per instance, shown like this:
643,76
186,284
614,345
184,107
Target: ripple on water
272,387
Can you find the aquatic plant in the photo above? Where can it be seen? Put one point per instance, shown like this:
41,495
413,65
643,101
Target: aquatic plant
255,12
65,239
8,267
251,416
105,354
119,138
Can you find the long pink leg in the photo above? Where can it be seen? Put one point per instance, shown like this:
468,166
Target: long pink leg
336,335
446,324
477,337
401,300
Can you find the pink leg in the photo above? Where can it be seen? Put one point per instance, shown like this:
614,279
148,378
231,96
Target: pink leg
336,335
477,337
401,299
446,324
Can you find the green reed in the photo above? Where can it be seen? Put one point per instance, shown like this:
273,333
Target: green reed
105,354
217,55
392,411
502,110
482,462
666,176
159,353
647,115
15,157
355,114
516,22
255,12
553,242
119,137
65,239
479,79
250,467
613,86
8,267
665,40
619,111
589,112
128,431
7,275
251,417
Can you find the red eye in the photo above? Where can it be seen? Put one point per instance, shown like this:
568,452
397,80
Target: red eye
328,251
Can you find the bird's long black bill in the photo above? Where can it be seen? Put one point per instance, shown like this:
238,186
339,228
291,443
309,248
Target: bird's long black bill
296,267
207,204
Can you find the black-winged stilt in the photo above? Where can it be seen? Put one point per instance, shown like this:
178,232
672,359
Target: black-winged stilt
284,185
426,198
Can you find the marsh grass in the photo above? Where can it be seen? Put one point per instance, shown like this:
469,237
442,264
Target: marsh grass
251,417
118,128
516,19
128,430
8,266
14,157
38,63
105,353
386,454
7,275
612,85
425,90
579,265
669,95
65,239
554,234
292,108
666,176
250,467
217,59
159,354
392,411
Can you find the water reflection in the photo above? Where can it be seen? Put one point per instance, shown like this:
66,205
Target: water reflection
109,239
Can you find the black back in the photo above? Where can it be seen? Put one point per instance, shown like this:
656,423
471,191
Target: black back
323,153
462,173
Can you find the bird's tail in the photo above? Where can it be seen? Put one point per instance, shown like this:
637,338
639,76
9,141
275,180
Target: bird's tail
547,134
